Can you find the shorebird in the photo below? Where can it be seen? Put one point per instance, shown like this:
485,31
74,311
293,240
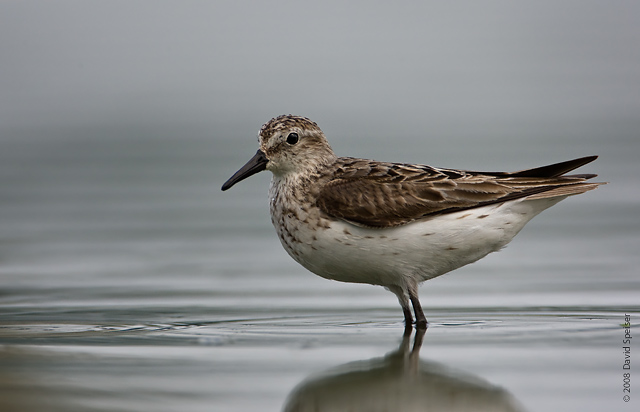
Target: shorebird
393,224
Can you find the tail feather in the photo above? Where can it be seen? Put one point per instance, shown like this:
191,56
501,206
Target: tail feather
567,190
550,181
583,176
557,169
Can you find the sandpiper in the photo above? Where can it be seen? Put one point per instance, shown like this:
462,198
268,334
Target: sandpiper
393,224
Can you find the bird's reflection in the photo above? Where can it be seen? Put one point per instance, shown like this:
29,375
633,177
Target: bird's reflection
399,381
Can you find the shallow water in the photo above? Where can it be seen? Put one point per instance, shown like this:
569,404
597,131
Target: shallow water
131,283
510,359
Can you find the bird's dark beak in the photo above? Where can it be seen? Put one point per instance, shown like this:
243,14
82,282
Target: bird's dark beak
257,164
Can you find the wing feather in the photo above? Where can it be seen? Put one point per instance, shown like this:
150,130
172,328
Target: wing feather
378,194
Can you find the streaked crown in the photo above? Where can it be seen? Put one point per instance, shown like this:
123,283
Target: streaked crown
294,143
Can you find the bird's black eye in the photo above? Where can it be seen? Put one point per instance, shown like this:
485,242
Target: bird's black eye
292,138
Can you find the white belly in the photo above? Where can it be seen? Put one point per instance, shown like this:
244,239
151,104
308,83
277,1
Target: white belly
420,250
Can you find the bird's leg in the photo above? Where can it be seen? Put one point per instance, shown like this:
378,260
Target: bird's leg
408,320
403,298
421,320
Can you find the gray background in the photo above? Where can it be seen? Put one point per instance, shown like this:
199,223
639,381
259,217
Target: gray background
432,70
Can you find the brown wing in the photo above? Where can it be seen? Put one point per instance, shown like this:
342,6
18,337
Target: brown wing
380,194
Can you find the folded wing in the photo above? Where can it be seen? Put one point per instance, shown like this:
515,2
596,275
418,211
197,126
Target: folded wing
377,194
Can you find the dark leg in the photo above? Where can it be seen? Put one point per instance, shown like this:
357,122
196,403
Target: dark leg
421,320
406,309
408,320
